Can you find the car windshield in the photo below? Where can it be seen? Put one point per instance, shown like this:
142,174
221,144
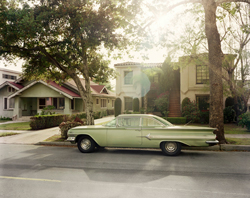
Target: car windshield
112,123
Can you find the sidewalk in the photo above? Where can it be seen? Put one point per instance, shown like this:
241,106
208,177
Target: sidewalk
38,137
34,137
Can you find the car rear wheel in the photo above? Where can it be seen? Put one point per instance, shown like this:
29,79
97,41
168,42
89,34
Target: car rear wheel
171,148
86,144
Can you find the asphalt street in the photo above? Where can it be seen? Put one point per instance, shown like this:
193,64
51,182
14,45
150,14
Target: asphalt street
29,171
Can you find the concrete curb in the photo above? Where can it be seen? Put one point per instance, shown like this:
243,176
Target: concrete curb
222,147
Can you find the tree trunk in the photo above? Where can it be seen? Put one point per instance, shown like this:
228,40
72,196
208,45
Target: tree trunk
215,70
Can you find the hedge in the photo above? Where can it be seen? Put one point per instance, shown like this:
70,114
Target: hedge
177,120
46,121
65,126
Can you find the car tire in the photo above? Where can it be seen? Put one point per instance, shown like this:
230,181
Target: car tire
86,144
171,148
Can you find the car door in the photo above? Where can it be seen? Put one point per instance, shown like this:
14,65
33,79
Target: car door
127,133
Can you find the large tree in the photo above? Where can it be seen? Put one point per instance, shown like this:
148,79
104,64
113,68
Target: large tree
215,57
62,39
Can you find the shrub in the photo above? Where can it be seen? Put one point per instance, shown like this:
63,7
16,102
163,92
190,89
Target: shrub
244,120
191,112
65,126
229,102
45,121
97,115
135,105
177,120
118,106
185,102
229,114
162,102
204,117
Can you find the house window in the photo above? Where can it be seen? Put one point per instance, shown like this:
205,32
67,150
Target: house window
103,103
5,103
12,103
113,103
61,103
202,74
55,103
203,102
8,103
73,104
97,101
11,89
128,103
6,76
42,103
128,77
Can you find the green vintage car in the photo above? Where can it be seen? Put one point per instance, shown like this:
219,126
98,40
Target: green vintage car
141,131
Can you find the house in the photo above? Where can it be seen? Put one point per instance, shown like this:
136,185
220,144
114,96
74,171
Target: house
191,81
8,75
29,98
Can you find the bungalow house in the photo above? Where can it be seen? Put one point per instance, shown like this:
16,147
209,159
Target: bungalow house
191,81
29,98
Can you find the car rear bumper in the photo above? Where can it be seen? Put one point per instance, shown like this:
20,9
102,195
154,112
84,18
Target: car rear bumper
212,142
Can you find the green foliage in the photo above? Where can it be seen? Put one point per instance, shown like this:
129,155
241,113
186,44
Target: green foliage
47,110
229,102
229,114
204,117
62,39
136,105
46,121
185,102
162,103
244,120
65,126
191,112
5,118
118,106
180,120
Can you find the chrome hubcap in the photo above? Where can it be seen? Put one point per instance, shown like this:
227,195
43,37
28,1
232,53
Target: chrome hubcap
171,147
85,144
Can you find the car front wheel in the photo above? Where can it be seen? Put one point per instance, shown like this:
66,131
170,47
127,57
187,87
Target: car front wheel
86,144
171,148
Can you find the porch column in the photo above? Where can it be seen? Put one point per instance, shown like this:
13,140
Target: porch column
67,107
17,110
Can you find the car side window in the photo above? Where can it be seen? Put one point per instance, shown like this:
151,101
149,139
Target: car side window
129,122
150,122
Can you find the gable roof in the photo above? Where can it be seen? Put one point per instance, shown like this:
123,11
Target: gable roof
12,84
64,91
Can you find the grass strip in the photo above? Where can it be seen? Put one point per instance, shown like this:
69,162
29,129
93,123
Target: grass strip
7,134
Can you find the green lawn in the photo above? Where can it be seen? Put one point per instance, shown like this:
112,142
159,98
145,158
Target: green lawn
238,141
23,126
7,134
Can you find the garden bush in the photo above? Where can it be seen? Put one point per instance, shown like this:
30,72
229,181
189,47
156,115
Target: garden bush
244,120
229,114
177,120
185,102
204,117
191,112
162,103
65,126
46,121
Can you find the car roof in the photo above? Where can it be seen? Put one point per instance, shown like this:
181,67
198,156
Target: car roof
136,115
